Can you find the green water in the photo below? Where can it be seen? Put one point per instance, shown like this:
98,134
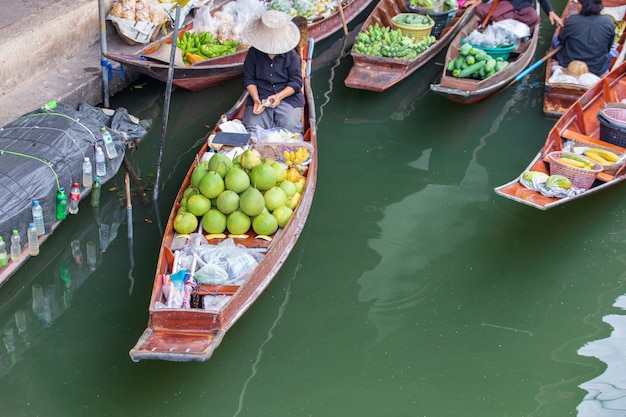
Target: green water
414,289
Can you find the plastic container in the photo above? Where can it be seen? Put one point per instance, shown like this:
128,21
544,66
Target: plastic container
87,172
613,125
95,193
61,204
502,52
101,166
77,252
38,218
74,199
91,255
33,240
16,246
4,257
109,145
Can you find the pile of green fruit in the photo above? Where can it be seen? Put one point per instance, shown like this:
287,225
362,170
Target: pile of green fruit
391,43
204,45
475,63
235,196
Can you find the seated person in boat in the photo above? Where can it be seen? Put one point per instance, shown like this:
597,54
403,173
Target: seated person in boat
587,36
272,73
522,10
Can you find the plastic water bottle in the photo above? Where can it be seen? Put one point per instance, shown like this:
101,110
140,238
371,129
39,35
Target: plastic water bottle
33,240
74,198
91,255
49,106
95,193
101,166
38,218
77,252
87,173
16,246
4,258
61,204
109,146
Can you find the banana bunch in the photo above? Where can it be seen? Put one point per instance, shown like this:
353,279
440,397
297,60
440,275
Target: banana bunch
601,156
295,158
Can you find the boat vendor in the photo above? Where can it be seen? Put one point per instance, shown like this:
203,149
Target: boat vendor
272,73
522,10
587,36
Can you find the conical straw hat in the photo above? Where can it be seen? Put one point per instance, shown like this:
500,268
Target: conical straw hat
273,32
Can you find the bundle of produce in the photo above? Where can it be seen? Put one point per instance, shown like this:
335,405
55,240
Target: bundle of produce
475,63
139,11
391,43
199,47
310,9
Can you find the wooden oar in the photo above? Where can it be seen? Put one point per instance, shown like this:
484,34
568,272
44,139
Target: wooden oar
343,18
535,65
303,26
485,21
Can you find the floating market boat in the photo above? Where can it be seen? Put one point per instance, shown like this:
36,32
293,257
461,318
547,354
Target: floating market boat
469,90
582,126
378,73
153,60
43,151
559,96
193,332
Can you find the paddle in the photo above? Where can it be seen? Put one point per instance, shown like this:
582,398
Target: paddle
166,105
129,223
535,65
303,27
343,18
485,21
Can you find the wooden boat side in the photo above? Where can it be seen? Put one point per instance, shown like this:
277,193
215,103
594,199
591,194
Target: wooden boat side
468,91
376,73
193,334
578,123
558,97
211,72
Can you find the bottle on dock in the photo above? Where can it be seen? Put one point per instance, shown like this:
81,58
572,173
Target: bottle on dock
61,204
74,199
16,246
38,218
49,106
87,173
101,166
109,145
95,193
33,240
4,258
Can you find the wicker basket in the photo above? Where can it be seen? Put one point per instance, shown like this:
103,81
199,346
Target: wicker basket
613,125
609,169
581,178
139,38
418,32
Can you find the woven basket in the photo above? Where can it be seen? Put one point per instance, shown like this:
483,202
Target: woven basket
418,32
613,125
140,39
581,178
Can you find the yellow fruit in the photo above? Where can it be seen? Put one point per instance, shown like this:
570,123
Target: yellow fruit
594,156
572,162
607,155
293,175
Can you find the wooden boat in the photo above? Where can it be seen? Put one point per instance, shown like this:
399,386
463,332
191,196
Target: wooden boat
192,334
580,125
558,97
218,70
468,91
377,73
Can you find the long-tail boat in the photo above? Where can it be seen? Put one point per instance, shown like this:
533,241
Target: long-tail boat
192,333
214,71
378,73
559,96
579,127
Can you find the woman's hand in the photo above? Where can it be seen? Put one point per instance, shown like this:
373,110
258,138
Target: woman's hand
554,18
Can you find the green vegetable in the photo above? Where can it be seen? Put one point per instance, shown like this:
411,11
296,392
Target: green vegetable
470,70
558,181
535,175
465,49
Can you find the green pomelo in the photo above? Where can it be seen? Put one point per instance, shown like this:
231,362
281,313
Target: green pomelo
283,215
294,200
185,222
274,198
211,185
190,191
263,177
250,158
197,175
227,201
300,185
268,161
204,164
220,163
252,202
214,221
281,172
198,205
237,159
237,180
237,165
238,222
288,187
264,224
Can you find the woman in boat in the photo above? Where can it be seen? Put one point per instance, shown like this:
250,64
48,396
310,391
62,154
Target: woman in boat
272,73
587,36
521,10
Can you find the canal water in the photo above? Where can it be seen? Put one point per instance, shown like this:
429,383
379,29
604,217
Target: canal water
414,289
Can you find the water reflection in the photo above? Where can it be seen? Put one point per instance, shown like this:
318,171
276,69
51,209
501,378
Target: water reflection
26,315
607,393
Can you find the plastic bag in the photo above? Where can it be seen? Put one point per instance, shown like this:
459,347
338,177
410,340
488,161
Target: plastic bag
514,28
276,134
491,37
177,289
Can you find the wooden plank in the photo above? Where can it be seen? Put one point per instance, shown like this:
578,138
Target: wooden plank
579,137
